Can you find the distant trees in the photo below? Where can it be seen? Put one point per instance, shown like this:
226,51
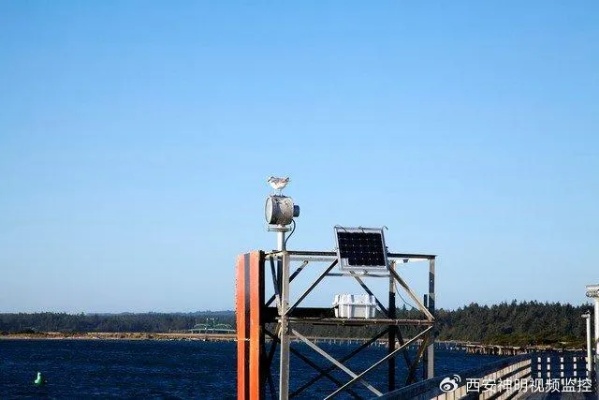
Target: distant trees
523,323
515,323
147,322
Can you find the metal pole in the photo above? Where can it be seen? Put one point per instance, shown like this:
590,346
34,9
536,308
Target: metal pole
593,292
587,316
284,332
281,238
430,367
596,343
425,353
392,333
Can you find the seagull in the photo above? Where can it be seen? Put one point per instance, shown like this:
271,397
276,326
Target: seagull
278,183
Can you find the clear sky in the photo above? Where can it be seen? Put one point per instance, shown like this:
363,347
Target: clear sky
136,138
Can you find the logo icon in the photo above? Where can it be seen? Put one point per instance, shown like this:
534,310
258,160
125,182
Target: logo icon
450,383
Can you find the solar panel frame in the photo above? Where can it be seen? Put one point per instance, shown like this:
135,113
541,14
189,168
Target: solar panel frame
361,249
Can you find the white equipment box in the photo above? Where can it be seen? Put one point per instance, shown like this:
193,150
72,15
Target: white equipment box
354,306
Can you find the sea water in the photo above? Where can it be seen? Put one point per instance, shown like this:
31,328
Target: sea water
149,369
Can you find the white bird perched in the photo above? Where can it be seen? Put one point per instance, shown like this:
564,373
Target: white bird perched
278,183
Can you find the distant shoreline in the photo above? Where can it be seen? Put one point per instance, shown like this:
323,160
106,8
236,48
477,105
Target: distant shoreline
206,337
468,347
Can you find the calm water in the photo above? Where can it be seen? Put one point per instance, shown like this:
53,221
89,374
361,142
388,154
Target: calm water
162,369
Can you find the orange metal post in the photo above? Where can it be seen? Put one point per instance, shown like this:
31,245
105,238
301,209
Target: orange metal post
250,334
256,331
242,318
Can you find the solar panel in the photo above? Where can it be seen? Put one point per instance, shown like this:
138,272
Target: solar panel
361,248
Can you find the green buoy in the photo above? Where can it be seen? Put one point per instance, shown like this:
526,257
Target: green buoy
39,380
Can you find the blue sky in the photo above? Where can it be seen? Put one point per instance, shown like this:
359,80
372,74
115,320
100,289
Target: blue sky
136,138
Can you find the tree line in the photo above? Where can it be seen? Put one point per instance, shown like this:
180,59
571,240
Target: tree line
515,323
126,322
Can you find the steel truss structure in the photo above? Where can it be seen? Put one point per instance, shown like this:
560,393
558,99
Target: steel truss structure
263,325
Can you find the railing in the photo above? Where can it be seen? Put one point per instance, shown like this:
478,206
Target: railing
510,378
563,373
552,366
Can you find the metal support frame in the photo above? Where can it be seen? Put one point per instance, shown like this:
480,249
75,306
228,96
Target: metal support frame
280,322
373,366
342,360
